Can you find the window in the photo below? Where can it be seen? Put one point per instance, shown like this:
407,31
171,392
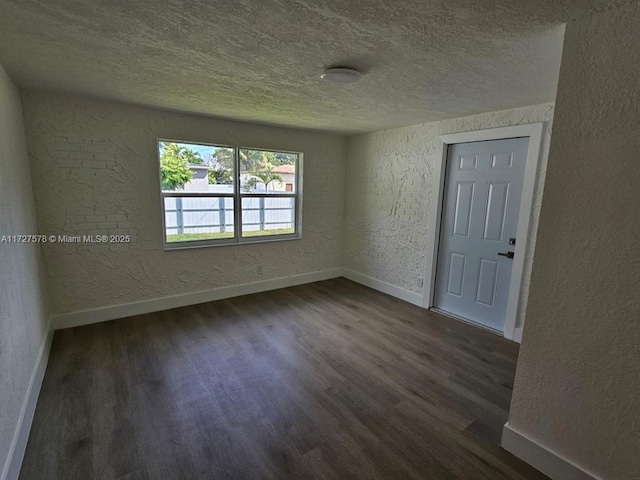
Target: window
217,195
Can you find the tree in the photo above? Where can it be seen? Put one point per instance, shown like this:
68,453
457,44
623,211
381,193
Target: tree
175,172
184,153
192,157
284,159
223,158
252,160
263,175
174,165
219,177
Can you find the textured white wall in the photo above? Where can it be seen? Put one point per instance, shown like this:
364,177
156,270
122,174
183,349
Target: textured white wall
23,310
577,387
95,170
391,187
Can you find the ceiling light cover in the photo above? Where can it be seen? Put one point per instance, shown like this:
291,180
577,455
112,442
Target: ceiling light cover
341,75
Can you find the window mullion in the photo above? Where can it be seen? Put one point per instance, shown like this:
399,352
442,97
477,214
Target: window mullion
237,201
297,205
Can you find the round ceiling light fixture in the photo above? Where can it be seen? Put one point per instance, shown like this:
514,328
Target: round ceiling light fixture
341,75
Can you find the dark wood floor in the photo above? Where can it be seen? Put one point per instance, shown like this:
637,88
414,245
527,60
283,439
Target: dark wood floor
329,380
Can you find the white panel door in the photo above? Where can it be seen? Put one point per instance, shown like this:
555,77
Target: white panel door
483,189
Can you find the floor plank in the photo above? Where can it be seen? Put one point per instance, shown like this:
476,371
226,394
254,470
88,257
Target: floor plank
330,380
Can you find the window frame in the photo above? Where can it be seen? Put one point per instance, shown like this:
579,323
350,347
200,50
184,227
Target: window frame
237,197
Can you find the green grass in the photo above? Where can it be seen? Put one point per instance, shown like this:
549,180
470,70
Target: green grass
189,237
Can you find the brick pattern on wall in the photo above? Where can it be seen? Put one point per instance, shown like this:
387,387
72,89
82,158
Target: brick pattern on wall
95,172
89,163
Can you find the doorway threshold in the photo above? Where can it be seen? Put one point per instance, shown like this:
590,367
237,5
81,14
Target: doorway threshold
467,321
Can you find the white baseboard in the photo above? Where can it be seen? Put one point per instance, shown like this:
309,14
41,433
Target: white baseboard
541,458
383,287
87,317
517,335
13,463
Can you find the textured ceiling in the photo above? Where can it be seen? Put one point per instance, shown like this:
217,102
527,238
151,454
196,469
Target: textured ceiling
259,60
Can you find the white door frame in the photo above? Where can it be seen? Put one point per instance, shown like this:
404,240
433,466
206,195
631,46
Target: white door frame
535,133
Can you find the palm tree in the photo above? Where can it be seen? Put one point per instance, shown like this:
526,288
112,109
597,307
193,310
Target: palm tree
264,175
183,153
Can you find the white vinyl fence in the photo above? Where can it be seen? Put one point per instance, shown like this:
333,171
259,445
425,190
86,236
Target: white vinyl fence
215,214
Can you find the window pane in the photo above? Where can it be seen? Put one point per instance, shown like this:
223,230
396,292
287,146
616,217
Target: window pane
268,216
196,168
198,218
264,171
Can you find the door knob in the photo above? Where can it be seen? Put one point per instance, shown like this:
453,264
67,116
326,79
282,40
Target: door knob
506,254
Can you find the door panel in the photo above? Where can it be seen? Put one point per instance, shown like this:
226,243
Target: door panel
462,215
487,279
456,274
496,208
502,160
468,162
483,189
